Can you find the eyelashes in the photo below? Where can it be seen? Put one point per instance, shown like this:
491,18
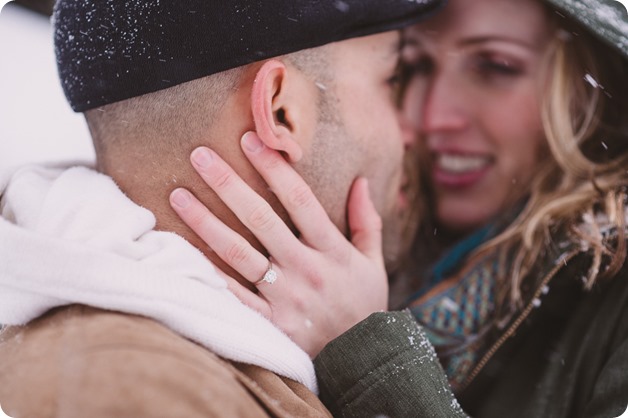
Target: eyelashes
489,65
486,66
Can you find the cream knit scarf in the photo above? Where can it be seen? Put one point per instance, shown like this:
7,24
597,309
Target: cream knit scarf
70,236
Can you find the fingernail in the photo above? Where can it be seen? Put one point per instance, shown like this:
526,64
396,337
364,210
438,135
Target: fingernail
181,198
251,142
202,157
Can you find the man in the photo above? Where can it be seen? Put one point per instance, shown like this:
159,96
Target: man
155,81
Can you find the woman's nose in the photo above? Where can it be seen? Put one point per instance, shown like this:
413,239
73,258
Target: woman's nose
444,106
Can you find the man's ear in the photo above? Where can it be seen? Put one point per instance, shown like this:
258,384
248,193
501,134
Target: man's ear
277,111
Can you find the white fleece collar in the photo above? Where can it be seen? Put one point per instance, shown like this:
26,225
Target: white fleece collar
71,236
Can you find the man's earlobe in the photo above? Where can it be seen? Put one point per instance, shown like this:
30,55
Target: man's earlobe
274,115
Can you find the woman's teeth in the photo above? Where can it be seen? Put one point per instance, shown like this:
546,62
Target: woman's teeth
456,163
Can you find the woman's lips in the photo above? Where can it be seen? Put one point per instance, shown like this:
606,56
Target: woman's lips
455,170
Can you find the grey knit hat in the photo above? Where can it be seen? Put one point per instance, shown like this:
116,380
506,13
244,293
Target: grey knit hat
606,19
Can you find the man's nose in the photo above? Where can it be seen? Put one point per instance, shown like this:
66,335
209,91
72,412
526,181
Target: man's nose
410,114
408,131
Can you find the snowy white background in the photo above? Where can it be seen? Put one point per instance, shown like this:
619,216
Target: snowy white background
36,123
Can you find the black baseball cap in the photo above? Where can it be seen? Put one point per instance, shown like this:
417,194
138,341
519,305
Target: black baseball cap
112,50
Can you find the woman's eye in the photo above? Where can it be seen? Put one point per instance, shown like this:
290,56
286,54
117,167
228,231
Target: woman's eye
489,66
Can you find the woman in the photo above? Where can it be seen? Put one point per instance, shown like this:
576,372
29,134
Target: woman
523,102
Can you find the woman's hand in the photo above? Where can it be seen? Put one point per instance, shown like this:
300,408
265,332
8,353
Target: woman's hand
325,284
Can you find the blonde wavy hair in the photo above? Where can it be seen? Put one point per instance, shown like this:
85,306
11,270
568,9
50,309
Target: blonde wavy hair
581,189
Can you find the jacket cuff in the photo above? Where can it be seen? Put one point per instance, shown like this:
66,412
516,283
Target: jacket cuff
384,365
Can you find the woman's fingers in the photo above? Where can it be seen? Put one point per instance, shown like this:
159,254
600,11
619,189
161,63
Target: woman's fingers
251,209
293,192
246,295
249,298
315,274
364,222
227,244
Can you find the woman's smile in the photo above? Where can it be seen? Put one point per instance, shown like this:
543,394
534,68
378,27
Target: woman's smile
460,170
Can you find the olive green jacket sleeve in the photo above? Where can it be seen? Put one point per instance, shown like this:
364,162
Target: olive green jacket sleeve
384,366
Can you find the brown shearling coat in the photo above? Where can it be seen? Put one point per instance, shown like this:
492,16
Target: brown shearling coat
78,362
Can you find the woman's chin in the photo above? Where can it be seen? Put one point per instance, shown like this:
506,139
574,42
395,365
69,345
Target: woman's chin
461,222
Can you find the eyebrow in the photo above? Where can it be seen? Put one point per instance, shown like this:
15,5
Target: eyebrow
495,38
413,41
407,41
410,43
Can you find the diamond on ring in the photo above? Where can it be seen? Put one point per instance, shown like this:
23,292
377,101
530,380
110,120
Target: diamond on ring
269,277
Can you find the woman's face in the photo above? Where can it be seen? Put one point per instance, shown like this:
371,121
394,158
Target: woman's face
473,98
